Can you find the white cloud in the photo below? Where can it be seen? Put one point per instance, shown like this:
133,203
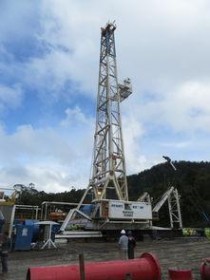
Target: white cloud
50,158
184,108
75,116
161,45
17,19
10,97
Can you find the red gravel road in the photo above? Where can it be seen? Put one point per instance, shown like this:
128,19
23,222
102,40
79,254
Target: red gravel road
182,253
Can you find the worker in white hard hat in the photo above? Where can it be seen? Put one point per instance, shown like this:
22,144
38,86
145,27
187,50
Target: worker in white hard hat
123,245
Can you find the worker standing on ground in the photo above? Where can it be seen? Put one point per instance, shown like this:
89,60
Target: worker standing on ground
131,245
123,245
4,251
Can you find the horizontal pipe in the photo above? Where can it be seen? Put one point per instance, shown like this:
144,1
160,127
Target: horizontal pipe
184,274
145,267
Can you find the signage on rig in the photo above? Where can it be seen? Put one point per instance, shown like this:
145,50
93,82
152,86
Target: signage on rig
128,213
130,210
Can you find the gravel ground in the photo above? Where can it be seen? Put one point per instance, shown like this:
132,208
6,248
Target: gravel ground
181,253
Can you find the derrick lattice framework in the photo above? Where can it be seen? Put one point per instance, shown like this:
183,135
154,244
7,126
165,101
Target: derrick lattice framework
109,171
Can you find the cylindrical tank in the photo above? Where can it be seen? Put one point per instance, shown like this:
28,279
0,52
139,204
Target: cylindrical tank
175,274
144,268
205,269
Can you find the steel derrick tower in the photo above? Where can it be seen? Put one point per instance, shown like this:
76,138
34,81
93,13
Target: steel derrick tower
108,169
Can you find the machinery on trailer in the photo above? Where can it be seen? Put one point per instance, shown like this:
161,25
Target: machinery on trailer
11,211
110,208
172,197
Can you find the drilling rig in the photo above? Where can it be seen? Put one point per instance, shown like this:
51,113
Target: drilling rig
110,209
108,169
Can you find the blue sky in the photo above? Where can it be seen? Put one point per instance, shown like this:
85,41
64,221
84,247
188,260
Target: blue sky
49,62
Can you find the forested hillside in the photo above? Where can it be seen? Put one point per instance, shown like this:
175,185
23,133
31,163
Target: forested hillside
192,179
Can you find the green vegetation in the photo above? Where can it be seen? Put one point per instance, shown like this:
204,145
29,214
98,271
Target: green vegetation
192,179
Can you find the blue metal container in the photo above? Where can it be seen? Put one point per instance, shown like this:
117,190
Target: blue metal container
23,238
30,222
